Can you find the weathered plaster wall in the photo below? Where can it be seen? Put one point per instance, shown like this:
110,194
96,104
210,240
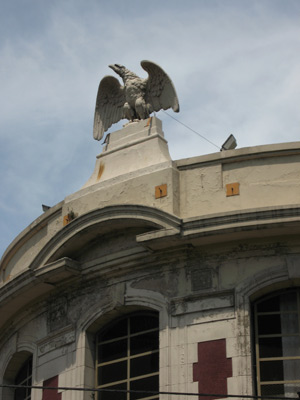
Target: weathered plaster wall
201,294
266,177
128,189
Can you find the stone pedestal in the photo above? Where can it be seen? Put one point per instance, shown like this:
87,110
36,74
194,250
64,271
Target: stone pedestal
137,146
133,167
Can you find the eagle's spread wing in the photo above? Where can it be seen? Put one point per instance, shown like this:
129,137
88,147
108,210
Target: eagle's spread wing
160,92
109,105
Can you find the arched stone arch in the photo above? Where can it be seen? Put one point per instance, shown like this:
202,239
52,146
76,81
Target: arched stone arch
17,351
259,284
12,368
128,301
252,287
101,221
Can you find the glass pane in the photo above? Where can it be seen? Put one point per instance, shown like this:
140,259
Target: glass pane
283,302
23,373
291,346
270,347
272,390
144,342
148,384
112,372
24,378
269,324
20,394
271,371
118,329
286,346
112,351
107,395
144,365
269,305
291,370
281,370
280,390
139,323
291,389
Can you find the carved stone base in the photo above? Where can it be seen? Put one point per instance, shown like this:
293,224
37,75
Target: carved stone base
139,145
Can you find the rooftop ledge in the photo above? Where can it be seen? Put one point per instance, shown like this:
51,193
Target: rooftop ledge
242,154
223,157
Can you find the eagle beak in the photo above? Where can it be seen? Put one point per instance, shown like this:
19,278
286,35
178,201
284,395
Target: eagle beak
113,67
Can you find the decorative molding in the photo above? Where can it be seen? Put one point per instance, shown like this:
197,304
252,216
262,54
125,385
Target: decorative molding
58,270
201,279
202,302
52,342
232,225
246,219
155,217
57,313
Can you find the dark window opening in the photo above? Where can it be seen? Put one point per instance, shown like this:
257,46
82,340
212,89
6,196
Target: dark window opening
277,344
24,378
127,358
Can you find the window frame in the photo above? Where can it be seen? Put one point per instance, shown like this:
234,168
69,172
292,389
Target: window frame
128,357
257,336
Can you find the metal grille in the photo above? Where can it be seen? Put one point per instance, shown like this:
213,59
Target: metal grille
128,357
24,378
277,344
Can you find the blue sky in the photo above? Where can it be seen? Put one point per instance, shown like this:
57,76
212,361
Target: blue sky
235,65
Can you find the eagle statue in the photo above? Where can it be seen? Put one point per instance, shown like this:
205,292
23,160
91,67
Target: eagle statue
136,100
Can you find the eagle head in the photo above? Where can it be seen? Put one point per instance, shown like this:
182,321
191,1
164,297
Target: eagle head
119,69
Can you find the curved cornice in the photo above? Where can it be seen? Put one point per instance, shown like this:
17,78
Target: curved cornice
229,226
245,218
132,214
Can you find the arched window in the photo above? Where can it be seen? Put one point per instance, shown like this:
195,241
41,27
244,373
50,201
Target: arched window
128,357
18,372
24,378
277,344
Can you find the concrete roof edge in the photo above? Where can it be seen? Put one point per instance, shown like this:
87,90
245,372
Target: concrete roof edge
244,153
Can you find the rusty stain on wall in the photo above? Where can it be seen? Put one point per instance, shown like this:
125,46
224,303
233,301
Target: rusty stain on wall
101,170
68,218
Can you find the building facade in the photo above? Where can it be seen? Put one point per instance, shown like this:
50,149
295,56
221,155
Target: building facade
159,275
